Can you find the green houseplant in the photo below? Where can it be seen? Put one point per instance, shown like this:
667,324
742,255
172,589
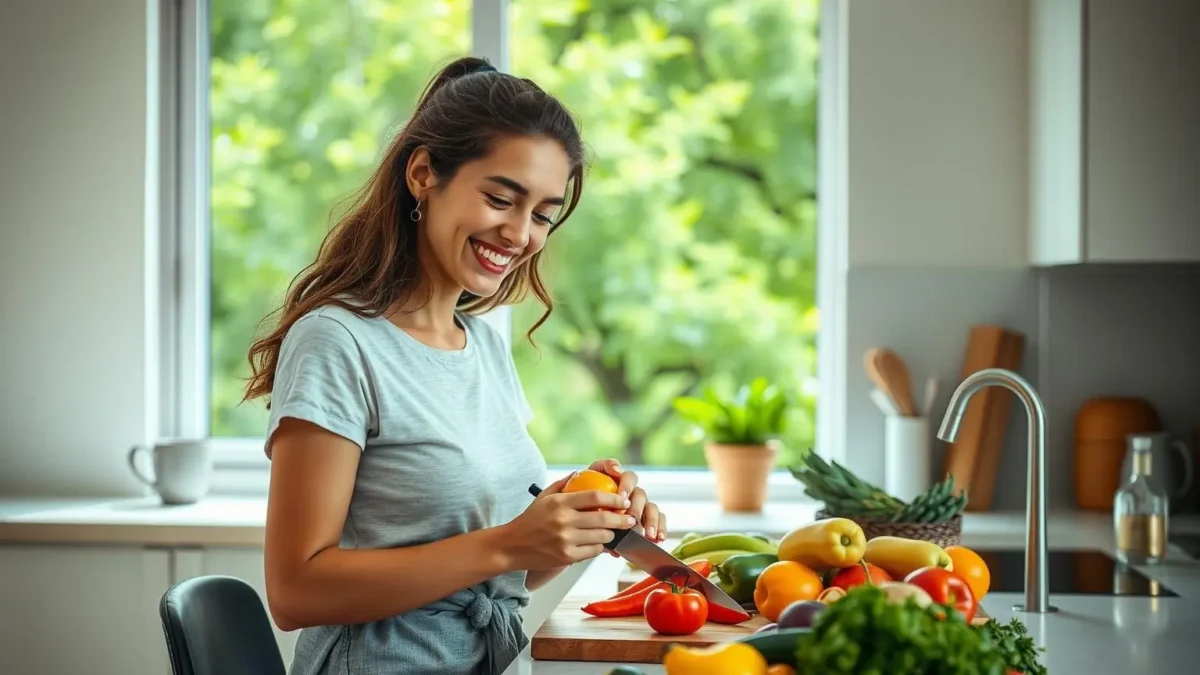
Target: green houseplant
740,435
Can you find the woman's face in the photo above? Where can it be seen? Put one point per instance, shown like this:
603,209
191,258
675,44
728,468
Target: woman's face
494,215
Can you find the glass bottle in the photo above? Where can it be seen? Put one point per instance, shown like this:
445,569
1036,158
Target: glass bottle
1140,511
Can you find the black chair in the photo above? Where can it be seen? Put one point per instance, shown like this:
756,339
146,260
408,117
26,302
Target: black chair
217,625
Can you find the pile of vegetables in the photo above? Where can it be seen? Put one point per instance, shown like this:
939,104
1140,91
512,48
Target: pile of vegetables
847,495
816,564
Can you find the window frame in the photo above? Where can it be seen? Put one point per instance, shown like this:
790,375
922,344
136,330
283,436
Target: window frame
239,464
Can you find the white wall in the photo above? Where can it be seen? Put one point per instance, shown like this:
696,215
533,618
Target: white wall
76,251
937,197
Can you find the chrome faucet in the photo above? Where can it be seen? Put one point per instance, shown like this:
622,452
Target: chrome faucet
1036,574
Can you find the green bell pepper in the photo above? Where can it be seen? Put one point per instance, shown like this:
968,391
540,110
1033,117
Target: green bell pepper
739,573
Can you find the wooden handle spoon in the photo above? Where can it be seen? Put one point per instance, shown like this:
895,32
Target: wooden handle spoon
890,373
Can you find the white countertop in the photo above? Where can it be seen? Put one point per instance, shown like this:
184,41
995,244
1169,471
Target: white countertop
1091,634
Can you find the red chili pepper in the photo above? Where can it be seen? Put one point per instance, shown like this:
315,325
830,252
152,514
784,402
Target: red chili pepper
623,605
701,567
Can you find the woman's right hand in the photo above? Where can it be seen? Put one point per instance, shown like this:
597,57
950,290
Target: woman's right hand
559,529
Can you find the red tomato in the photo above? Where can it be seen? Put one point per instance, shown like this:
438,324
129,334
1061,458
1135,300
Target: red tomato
946,588
676,610
850,577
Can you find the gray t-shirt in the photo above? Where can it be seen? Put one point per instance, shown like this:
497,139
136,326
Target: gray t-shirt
444,451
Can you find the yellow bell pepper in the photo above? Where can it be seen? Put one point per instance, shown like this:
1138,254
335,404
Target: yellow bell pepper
899,556
726,658
825,544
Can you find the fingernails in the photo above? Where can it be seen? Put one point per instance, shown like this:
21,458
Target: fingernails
630,521
627,503
650,533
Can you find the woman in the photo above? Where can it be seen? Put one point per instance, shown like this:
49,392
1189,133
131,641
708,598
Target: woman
401,536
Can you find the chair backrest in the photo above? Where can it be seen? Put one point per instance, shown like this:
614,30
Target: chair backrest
217,625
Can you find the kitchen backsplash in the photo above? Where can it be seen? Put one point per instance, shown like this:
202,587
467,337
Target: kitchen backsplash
1091,331
1121,331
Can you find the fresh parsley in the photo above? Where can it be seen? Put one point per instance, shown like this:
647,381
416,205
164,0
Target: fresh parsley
1020,651
866,634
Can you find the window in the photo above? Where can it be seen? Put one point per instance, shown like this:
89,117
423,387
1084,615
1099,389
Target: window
691,262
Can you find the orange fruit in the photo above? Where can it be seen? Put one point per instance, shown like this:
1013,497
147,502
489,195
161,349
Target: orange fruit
968,565
589,479
782,583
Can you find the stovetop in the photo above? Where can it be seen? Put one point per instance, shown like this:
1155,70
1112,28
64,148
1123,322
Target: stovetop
1072,572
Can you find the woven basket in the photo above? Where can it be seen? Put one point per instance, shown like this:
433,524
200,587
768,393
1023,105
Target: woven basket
945,533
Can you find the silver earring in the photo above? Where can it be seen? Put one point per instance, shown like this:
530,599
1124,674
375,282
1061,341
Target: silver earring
416,213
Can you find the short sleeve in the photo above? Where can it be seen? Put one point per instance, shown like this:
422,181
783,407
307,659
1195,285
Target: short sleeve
321,378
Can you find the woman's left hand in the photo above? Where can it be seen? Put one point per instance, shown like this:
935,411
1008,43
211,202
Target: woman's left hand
646,512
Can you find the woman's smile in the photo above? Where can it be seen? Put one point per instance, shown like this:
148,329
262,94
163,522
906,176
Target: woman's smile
493,259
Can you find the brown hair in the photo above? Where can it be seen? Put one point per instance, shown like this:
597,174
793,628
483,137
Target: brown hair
369,260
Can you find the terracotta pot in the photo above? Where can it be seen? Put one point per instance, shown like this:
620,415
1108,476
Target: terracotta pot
742,472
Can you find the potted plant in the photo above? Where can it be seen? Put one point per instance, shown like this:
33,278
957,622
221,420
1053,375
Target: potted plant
741,435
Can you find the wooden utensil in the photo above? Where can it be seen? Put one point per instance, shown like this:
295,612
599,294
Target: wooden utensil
890,373
974,457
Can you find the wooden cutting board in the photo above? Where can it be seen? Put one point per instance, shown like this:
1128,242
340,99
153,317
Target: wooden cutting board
974,458
570,635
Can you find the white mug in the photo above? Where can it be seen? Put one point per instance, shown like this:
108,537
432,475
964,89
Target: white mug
182,469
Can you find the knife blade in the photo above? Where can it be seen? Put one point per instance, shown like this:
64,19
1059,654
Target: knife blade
660,564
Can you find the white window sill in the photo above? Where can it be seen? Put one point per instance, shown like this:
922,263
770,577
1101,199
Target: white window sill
242,469
227,520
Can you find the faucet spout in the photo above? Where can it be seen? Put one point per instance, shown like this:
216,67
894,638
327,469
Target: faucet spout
1036,572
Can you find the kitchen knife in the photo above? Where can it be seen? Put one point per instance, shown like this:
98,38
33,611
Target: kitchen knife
658,563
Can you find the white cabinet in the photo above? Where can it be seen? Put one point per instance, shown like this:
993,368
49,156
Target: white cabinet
243,563
1115,143
82,609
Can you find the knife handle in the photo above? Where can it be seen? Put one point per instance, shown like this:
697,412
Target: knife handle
618,535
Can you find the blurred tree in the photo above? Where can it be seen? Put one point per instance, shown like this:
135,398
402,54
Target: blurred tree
690,262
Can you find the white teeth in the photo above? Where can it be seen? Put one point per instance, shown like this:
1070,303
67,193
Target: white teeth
495,258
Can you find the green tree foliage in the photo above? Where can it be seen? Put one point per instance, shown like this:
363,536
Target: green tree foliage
690,262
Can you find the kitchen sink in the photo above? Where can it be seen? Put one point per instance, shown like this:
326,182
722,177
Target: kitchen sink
1072,572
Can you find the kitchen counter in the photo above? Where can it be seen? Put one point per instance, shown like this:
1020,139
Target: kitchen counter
1090,635
215,521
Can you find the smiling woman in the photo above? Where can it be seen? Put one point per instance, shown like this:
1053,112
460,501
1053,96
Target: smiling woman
400,535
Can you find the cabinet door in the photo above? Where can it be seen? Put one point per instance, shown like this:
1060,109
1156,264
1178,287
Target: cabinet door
82,609
1143,140
243,563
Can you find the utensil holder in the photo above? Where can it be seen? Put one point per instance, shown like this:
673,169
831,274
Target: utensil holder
906,456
